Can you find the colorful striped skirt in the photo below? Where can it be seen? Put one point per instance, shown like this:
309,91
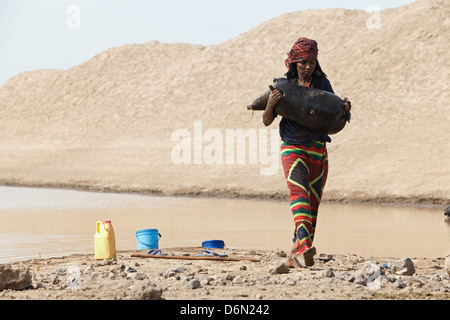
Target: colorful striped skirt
305,168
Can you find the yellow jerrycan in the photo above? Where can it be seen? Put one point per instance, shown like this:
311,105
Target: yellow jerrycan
105,241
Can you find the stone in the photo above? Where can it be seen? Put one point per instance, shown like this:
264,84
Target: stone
369,276
403,267
328,273
61,271
290,282
373,272
206,281
193,284
14,277
238,280
279,267
359,278
146,291
88,270
229,277
447,263
178,269
73,280
280,253
129,269
172,272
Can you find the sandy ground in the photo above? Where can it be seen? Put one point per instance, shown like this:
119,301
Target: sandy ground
132,278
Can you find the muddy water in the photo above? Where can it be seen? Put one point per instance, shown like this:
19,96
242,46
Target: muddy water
48,222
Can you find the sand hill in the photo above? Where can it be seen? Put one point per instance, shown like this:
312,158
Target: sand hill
118,121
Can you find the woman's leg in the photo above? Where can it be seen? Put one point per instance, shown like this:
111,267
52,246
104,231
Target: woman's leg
299,196
305,176
318,178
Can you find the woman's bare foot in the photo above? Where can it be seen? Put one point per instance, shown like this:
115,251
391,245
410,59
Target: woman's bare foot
293,262
308,259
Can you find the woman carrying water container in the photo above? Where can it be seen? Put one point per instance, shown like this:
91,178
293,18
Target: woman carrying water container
303,152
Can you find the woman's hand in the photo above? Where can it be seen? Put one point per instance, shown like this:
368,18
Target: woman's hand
274,96
268,116
348,104
348,108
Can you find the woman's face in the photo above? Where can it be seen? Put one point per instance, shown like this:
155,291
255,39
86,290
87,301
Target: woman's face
306,68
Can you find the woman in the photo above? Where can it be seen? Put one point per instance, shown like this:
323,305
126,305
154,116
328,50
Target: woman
303,152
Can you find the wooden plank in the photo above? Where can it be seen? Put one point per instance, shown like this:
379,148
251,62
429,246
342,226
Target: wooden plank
196,257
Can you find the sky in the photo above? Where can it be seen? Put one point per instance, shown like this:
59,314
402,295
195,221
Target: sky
60,34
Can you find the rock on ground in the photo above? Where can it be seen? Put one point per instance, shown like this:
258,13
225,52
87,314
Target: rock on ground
16,277
447,263
402,266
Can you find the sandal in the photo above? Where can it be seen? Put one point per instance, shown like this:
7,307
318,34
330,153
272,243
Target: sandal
156,252
325,257
209,253
352,255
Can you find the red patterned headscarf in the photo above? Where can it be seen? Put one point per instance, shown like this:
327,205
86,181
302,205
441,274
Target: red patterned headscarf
303,49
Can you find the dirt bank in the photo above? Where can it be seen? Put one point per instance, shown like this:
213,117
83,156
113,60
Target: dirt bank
133,119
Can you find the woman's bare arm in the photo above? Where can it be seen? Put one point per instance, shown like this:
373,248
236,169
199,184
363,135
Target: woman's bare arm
268,115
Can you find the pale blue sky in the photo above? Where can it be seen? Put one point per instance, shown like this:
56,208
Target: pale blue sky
47,34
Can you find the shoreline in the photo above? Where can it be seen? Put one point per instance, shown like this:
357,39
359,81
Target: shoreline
237,194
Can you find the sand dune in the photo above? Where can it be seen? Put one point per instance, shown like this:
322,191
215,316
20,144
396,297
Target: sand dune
115,122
